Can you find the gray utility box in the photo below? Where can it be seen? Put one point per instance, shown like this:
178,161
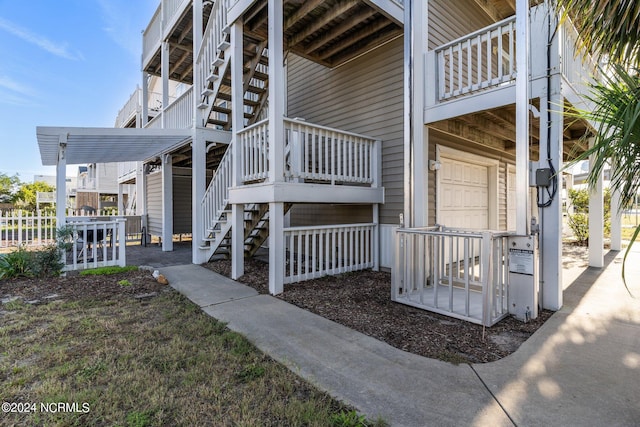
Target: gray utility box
523,277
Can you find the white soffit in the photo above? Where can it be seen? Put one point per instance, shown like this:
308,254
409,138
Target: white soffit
106,145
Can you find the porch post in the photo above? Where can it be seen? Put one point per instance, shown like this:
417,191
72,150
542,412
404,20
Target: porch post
276,91
141,197
164,53
616,218
237,122
276,143
167,203
61,183
198,150
120,199
198,188
596,220
522,118
276,248
144,119
415,136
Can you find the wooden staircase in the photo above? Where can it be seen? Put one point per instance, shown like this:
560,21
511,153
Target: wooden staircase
216,103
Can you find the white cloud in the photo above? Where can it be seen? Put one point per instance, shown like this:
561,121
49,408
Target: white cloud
8,83
58,49
118,25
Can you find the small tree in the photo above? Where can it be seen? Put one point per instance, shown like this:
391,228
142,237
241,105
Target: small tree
8,187
26,195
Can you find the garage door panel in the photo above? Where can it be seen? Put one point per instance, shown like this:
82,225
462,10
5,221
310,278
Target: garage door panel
463,194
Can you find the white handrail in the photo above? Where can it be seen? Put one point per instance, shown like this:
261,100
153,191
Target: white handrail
216,197
179,114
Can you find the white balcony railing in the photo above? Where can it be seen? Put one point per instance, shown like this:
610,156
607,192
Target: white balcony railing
129,109
313,252
127,170
152,35
578,68
477,61
87,184
179,114
458,273
313,152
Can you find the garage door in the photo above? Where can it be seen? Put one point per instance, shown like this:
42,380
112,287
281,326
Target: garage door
463,189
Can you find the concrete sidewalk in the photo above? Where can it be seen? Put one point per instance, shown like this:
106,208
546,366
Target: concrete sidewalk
581,368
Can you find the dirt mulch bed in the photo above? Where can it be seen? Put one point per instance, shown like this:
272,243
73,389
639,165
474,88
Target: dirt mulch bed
362,301
74,287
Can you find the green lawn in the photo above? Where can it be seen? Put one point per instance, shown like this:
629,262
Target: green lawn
153,362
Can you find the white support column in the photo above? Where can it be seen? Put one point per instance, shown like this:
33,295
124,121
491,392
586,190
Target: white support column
276,143
61,183
237,117
550,217
164,53
120,199
276,248
141,188
198,188
198,150
167,203
375,240
276,91
415,134
522,118
144,118
596,220
616,219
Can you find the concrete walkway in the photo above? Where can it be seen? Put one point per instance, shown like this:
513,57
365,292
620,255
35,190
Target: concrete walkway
581,368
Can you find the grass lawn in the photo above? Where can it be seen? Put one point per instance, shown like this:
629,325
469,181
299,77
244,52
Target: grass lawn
154,361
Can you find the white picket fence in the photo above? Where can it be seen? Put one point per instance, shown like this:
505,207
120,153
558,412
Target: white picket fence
96,244
20,228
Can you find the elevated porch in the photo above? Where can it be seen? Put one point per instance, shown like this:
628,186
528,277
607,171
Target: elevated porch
477,71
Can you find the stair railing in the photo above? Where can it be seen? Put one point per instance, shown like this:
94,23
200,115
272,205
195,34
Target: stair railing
216,197
212,41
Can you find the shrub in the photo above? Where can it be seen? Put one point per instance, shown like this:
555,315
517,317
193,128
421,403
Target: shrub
18,263
47,262
579,220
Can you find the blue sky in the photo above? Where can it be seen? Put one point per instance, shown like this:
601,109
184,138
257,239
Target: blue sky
64,63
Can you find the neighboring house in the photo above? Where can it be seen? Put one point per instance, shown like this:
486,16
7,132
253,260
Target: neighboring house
97,187
325,125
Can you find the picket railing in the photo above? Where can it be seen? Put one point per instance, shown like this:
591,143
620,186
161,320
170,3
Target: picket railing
254,144
313,252
179,114
212,41
480,60
152,35
216,197
312,152
19,228
458,273
321,153
578,67
96,244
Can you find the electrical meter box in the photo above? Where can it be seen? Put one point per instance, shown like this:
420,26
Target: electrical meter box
523,277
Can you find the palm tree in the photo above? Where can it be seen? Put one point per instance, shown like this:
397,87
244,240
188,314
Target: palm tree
610,29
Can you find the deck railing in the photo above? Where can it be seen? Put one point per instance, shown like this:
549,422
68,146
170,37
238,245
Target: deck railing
96,244
127,170
152,34
579,68
179,114
313,252
477,61
458,273
313,152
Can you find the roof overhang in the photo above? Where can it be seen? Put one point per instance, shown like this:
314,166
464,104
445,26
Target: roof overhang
106,145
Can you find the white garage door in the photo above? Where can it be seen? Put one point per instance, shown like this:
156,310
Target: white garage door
463,189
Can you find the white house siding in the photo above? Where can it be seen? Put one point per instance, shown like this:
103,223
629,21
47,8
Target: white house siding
181,202
363,96
154,203
449,20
